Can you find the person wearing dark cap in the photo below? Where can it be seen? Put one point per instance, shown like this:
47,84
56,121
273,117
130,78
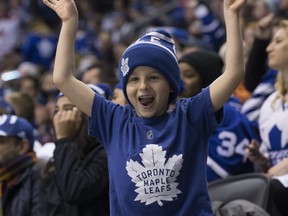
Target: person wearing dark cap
226,154
19,168
156,156
198,70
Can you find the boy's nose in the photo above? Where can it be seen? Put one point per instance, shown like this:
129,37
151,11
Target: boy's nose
144,85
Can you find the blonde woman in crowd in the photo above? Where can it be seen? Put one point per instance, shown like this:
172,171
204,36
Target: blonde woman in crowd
272,156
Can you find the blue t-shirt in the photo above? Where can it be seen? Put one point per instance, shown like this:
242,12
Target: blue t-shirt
157,166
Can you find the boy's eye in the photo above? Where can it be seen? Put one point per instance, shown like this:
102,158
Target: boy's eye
133,79
154,77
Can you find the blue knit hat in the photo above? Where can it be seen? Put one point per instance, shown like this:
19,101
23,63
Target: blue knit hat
15,126
156,49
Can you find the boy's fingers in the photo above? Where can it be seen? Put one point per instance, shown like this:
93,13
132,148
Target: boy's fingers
234,5
49,3
52,1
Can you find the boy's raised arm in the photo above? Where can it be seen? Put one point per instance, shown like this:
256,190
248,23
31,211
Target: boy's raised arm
64,67
223,87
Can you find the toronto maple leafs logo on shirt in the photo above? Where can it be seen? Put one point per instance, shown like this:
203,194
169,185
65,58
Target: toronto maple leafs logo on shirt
124,66
156,181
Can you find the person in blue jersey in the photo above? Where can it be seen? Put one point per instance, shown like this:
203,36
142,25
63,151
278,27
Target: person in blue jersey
156,158
272,153
226,154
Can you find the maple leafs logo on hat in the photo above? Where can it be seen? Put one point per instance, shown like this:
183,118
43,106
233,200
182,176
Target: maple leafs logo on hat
124,66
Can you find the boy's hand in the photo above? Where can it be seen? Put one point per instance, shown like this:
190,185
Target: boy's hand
67,123
234,5
65,9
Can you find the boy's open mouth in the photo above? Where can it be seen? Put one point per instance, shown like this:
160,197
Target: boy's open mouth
146,100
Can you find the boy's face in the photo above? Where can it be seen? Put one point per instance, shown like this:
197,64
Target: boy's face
9,149
148,91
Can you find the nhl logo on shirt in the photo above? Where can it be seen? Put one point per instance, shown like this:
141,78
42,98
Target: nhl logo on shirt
124,66
149,134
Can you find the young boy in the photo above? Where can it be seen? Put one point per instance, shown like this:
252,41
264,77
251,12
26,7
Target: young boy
157,159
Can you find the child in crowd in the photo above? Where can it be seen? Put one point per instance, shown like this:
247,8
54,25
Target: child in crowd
157,159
